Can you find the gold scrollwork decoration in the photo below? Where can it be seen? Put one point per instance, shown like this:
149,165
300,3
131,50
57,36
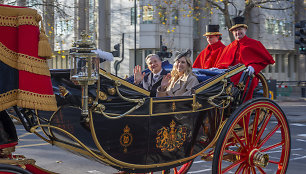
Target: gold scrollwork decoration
102,95
229,90
171,138
63,91
111,91
196,106
126,138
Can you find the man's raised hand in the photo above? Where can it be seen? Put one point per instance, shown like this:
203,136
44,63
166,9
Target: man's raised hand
138,76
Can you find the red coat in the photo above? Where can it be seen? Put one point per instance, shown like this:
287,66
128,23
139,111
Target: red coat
207,58
250,53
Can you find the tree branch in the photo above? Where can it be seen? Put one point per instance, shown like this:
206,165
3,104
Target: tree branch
234,5
268,1
269,8
216,5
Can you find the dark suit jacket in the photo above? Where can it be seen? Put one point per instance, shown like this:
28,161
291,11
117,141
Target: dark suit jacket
147,82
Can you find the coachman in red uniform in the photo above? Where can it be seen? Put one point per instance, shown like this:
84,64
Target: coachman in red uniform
207,58
246,51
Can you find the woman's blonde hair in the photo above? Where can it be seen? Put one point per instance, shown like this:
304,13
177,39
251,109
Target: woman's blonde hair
175,73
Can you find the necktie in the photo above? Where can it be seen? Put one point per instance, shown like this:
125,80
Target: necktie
155,77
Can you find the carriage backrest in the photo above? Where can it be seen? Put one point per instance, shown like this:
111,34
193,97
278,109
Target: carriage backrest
201,74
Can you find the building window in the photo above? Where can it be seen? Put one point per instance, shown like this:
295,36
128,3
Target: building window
133,19
147,52
283,63
221,21
295,64
288,28
269,25
270,68
276,26
139,57
147,14
64,27
276,64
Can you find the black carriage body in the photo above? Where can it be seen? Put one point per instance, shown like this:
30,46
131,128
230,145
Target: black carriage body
165,130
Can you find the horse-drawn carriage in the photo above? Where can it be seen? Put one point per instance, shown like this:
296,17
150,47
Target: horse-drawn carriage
116,123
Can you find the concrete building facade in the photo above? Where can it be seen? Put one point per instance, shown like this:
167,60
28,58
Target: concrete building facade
178,24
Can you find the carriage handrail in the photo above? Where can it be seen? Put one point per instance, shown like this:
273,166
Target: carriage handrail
210,82
228,99
124,82
99,108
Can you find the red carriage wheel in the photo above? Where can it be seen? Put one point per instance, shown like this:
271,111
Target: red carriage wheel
257,145
183,169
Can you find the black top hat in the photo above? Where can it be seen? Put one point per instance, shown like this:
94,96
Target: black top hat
238,22
212,30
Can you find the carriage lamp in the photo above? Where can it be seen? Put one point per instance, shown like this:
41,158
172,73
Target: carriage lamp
84,67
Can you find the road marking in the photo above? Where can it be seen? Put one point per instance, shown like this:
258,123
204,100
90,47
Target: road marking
95,172
200,171
297,124
26,134
280,150
301,135
195,162
297,149
31,145
31,140
300,140
297,158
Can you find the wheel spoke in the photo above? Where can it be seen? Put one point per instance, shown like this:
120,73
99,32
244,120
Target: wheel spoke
269,135
234,152
239,168
249,170
253,170
175,170
228,168
273,162
245,170
260,170
272,147
238,139
245,123
255,124
263,127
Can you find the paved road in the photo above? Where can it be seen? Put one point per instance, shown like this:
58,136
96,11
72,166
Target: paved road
60,161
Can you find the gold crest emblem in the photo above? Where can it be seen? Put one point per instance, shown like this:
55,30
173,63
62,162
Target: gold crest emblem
126,138
173,106
170,139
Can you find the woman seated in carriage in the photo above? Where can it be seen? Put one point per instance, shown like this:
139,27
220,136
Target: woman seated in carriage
181,79
177,83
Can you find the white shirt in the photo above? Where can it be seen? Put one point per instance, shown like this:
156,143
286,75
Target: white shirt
156,76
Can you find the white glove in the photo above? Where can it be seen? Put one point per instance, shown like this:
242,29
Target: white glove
251,70
104,55
212,69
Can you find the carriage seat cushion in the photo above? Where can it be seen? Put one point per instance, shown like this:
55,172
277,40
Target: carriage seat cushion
204,74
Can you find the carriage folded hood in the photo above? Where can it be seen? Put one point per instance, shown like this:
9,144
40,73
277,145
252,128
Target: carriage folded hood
25,76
